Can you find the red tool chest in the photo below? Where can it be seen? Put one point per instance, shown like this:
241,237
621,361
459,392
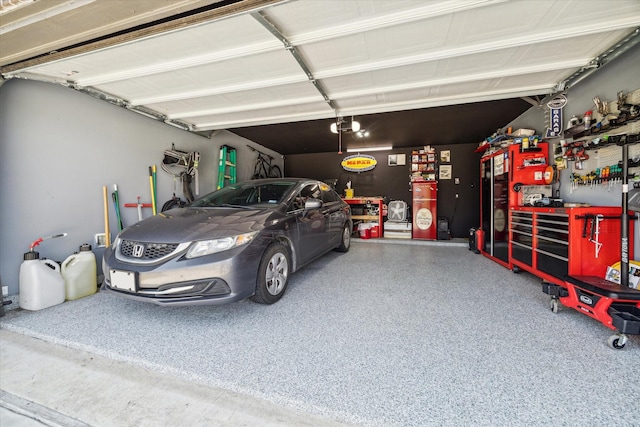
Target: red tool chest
553,243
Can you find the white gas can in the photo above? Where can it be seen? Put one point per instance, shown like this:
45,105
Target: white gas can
41,284
80,274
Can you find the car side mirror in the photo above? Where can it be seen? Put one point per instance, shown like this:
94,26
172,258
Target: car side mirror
312,204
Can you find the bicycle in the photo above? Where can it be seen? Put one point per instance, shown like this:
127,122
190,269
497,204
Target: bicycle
264,167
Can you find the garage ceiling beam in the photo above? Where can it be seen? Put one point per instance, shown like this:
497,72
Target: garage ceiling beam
604,58
258,16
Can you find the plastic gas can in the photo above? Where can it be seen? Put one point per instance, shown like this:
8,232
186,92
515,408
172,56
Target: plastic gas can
80,274
41,284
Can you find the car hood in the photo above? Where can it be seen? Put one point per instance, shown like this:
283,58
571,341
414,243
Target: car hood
189,224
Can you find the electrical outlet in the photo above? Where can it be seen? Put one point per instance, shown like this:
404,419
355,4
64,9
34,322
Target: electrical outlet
100,239
5,291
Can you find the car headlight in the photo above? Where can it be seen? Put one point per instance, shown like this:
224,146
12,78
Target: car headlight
207,247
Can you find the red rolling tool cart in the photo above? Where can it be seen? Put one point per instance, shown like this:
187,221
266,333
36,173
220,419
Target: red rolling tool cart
617,306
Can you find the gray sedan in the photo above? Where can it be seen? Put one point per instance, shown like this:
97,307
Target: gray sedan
242,241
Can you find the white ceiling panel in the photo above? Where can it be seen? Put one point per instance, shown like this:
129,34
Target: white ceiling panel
254,62
292,94
271,115
248,71
369,102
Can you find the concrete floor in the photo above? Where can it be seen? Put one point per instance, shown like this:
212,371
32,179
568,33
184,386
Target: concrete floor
430,336
44,384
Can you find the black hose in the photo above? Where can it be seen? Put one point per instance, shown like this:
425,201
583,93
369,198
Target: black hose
175,202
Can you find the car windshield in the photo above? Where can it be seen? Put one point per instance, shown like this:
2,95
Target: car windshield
246,194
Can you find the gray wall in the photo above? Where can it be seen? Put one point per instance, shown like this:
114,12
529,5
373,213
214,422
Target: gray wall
59,147
622,74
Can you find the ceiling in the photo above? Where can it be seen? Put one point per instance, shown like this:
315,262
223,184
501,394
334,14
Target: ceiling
280,72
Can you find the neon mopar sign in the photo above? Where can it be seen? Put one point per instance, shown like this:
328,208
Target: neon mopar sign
359,163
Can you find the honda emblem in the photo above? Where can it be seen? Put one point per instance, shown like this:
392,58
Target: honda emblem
138,251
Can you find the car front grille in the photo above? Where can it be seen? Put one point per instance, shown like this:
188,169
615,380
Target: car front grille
150,252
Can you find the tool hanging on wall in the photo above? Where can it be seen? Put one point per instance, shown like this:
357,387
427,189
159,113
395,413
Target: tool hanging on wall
107,234
595,233
227,165
139,206
183,165
116,205
42,239
175,202
155,186
152,190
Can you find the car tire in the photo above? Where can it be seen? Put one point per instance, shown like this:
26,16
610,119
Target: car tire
273,274
345,240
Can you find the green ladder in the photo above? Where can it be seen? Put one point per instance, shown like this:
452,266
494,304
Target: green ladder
226,166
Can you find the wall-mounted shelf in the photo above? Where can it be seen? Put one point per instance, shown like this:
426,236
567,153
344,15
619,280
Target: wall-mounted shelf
424,166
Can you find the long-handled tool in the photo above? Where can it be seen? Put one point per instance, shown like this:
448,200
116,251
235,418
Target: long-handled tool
116,205
107,234
152,190
155,186
139,206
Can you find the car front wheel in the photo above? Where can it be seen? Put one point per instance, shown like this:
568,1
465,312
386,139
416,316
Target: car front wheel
273,274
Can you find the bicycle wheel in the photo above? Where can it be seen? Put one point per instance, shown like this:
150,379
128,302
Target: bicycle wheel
260,170
275,172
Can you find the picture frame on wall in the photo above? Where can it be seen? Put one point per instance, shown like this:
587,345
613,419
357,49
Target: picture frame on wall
397,159
445,171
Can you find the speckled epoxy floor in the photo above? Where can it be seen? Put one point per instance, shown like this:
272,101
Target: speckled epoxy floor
385,335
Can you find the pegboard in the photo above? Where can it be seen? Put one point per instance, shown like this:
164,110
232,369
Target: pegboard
605,156
611,154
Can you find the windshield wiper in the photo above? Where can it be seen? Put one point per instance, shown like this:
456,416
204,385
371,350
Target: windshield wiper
228,205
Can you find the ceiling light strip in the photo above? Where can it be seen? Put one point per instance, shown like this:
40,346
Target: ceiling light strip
258,16
363,149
